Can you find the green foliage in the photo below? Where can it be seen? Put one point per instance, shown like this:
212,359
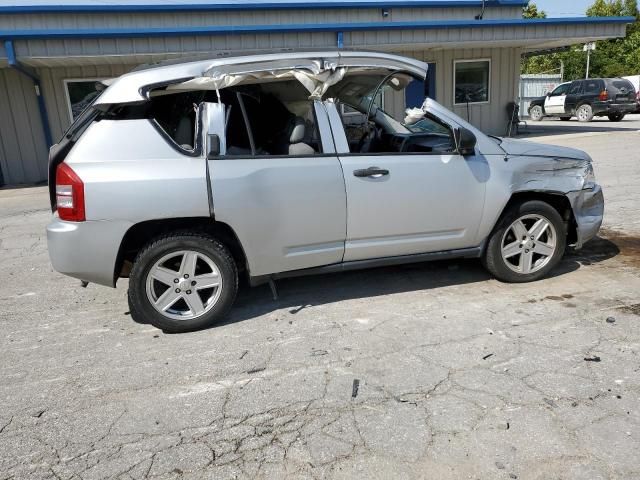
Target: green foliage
613,8
531,11
612,58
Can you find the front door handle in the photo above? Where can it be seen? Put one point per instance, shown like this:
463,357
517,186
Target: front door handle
371,172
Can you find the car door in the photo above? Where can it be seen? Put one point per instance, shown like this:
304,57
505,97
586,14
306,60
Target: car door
554,103
287,210
408,203
573,96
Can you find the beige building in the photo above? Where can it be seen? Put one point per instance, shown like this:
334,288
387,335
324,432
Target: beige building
51,56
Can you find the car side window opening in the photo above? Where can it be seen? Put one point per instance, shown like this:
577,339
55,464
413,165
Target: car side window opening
378,125
270,119
592,87
561,90
173,114
575,88
278,119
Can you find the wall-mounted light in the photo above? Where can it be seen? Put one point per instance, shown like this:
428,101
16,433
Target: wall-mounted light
386,12
481,15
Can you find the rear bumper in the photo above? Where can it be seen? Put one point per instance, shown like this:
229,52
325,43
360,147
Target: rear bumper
86,250
588,210
612,108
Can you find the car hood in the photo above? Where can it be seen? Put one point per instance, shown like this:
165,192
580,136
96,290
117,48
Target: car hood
522,148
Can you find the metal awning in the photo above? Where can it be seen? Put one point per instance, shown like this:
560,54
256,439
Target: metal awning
154,6
68,47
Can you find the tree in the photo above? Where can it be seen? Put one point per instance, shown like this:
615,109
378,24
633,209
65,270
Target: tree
613,58
531,11
540,63
613,8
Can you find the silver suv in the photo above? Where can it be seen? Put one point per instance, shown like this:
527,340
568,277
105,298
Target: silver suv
187,176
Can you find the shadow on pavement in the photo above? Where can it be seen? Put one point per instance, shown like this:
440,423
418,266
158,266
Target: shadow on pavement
302,292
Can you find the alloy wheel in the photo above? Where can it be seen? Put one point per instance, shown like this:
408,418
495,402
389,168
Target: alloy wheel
184,285
536,113
583,113
529,244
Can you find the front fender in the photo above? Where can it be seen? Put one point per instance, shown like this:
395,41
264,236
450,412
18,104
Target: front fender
516,175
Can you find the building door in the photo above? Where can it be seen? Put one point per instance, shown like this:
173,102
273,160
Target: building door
417,90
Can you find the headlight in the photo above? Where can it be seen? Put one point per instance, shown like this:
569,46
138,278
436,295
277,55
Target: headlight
589,177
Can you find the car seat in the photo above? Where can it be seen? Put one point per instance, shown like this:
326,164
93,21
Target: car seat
297,132
185,133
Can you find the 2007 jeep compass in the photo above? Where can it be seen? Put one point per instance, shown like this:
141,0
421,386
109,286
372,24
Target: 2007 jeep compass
185,176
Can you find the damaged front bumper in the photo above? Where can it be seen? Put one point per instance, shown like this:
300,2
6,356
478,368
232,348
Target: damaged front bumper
588,211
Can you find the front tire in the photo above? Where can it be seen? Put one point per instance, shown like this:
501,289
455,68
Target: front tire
565,119
528,242
584,113
536,113
182,282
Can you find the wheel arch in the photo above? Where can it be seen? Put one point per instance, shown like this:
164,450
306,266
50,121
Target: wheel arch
558,200
537,104
581,103
142,233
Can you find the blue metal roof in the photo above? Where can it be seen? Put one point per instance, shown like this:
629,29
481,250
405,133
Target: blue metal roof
32,34
115,6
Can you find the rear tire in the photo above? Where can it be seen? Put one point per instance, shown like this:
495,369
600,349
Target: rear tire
513,256
616,117
565,119
182,281
536,113
584,113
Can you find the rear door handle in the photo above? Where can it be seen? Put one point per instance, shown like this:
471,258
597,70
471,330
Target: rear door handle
371,172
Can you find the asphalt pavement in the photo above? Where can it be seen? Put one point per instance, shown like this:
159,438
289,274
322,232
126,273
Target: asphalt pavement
422,371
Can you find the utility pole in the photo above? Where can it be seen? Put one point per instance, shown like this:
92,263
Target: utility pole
561,71
589,47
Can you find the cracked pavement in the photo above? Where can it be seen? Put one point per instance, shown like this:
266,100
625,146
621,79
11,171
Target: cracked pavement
460,376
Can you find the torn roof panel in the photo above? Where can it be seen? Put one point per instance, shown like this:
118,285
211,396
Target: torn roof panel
134,86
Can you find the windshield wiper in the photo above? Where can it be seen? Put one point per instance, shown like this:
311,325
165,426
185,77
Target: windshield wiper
496,138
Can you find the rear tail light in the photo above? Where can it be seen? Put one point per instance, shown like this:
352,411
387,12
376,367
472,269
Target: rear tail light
69,194
604,96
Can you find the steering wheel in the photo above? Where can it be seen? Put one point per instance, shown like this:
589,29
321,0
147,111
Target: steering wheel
373,133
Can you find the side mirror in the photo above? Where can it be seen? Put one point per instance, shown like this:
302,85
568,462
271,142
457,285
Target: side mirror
213,146
465,141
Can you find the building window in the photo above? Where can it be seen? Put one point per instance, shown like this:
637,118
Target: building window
80,94
472,81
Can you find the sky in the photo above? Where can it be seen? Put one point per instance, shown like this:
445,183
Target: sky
564,8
